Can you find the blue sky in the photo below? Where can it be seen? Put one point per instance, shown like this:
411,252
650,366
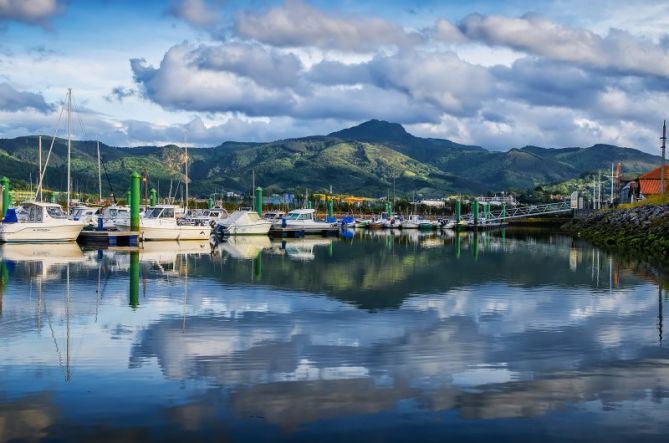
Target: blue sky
496,74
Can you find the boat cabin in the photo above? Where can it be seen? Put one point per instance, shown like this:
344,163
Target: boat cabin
163,211
37,212
301,214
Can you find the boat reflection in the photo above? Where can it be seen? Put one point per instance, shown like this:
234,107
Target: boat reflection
242,247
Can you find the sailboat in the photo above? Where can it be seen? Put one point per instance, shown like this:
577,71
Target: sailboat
161,222
43,222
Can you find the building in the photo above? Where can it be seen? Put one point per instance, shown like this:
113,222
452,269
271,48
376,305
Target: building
649,183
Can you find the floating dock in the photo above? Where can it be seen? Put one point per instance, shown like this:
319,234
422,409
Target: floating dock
109,238
298,231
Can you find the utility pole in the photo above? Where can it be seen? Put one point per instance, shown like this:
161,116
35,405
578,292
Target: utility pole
664,139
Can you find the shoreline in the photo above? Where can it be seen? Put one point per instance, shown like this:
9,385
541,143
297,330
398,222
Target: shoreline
640,230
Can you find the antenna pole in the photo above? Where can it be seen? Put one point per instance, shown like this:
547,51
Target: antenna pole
664,139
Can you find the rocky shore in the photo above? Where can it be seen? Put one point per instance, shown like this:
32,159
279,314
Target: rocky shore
643,229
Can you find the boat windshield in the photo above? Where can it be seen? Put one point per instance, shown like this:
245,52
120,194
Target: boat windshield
55,212
298,216
160,213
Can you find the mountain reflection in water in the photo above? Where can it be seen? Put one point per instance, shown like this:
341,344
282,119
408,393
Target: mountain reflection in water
385,336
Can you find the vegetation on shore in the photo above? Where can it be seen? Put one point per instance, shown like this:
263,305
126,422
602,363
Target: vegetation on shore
643,229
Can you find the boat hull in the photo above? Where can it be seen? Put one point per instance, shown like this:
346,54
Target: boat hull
255,229
39,232
170,232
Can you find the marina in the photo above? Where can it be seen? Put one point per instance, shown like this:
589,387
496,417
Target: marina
311,336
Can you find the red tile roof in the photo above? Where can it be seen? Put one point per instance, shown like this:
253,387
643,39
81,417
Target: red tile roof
649,183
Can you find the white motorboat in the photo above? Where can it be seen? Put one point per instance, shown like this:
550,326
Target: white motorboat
304,220
392,223
111,215
87,215
243,222
209,217
413,222
45,222
160,223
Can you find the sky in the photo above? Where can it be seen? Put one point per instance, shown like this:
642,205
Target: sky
495,74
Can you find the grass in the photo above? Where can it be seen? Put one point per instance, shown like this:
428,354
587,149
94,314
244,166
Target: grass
659,199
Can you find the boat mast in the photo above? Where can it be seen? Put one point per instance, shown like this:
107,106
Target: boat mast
39,160
186,169
99,174
69,144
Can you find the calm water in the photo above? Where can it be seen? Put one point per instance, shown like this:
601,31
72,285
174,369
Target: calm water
514,336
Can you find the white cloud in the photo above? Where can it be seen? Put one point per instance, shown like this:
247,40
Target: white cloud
34,12
296,24
195,12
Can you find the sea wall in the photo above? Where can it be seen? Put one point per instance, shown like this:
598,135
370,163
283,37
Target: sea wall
643,229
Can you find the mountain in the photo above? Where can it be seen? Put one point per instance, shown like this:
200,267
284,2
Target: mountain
367,159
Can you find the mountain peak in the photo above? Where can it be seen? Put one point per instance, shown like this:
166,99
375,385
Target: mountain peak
374,131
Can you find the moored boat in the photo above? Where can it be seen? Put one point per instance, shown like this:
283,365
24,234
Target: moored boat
44,222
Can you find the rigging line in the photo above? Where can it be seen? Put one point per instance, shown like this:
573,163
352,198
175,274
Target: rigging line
53,334
53,140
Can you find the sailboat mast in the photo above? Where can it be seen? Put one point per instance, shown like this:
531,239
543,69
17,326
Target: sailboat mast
69,144
186,169
39,160
99,174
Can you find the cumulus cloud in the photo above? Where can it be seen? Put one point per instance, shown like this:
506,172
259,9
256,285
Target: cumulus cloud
14,100
619,51
119,93
195,12
297,24
267,67
178,83
34,12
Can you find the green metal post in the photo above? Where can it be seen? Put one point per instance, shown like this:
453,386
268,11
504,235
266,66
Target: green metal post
210,203
309,205
503,212
330,208
486,211
458,210
153,200
134,202
129,196
388,207
259,200
6,199
475,211
257,266
133,290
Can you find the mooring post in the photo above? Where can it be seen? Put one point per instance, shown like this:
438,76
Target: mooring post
6,198
153,200
210,203
503,212
475,211
54,197
458,211
330,207
259,200
134,201
133,290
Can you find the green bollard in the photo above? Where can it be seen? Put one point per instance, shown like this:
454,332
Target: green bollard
475,211
259,200
257,266
6,198
458,211
503,212
134,202
486,211
153,200
330,208
54,197
133,290
210,203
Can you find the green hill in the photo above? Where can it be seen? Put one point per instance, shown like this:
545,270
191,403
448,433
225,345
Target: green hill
363,160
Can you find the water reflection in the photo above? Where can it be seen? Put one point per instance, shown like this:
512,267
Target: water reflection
395,337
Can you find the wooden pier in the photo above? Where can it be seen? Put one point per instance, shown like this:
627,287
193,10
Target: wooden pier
109,238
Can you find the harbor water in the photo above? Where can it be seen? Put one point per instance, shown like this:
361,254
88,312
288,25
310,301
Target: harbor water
376,336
